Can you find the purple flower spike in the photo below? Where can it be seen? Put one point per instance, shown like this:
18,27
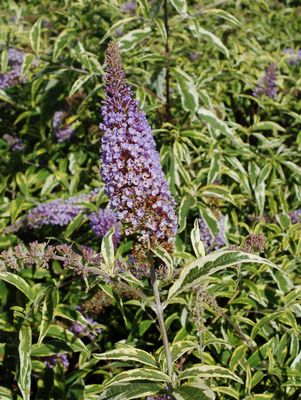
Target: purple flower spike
137,190
102,222
12,77
210,242
57,212
267,85
63,132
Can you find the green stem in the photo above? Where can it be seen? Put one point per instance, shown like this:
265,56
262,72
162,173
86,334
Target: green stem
159,312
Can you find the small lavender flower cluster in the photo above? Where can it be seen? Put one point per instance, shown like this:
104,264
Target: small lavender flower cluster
51,361
57,212
210,242
16,144
81,330
102,221
137,190
12,77
295,216
267,85
294,57
62,130
128,7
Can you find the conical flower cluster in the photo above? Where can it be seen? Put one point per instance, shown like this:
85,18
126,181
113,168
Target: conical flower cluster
137,190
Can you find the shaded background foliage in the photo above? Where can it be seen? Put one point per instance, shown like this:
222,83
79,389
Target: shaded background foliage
224,152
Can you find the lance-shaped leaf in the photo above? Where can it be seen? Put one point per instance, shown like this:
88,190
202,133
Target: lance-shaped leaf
35,36
187,90
210,118
65,335
128,353
128,391
161,253
213,262
131,39
208,371
186,204
18,282
196,241
107,251
214,40
177,350
48,308
24,378
180,6
189,392
139,374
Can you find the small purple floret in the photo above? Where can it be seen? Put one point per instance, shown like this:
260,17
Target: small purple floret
12,77
62,130
267,85
295,216
210,242
16,144
102,221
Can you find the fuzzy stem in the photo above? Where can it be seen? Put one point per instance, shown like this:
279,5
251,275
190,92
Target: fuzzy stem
159,312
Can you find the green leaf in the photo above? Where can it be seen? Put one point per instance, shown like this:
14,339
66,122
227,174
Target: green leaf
267,125
177,349
4,60
73,225
193,393
223,14
5,97
24,377
186,204
161,253
49,305
35,36
130,40
5,394
214,40
218,191
128,391
210,220
228,391
119,23
187,90
128,353
208,265
237,356
79,83
195,237
265,320
214,122
293,167
107,251
139,374
208,371
214,168
58,332
18,282
180,6
61,42
27,61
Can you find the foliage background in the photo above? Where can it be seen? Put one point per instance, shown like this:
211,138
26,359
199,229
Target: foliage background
222,150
